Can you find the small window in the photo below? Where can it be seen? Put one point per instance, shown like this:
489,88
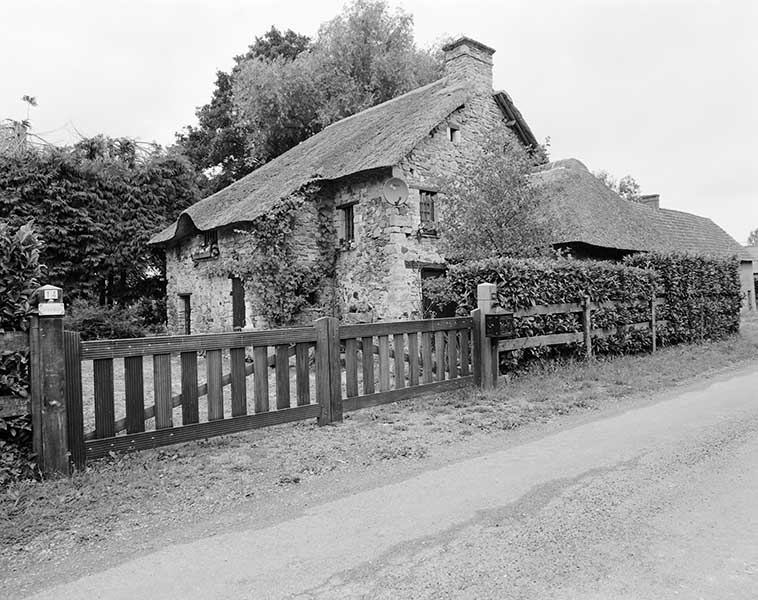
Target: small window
348,223
454,134
210,238
426,206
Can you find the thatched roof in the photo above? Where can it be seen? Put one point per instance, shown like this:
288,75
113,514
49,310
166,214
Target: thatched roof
377,137
590,213
752,251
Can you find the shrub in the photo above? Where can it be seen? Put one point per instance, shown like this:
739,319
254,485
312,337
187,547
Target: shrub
94,321
19,278
703,296
522,283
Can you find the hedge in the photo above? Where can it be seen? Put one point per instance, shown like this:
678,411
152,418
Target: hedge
19,278
703,295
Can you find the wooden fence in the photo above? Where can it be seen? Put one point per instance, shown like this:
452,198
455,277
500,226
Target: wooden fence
90,398
397,360
493,345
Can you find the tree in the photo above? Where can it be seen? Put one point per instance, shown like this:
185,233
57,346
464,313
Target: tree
626,187
752,239
285,88
494,209
95,205
367,55
218,142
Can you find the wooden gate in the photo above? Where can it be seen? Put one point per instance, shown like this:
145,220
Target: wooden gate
142,393
245,379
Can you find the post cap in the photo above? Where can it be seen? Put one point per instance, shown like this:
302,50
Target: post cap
49,301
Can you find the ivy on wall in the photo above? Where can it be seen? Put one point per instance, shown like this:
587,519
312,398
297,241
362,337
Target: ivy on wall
268,259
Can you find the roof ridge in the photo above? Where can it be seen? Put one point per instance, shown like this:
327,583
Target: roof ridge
386,103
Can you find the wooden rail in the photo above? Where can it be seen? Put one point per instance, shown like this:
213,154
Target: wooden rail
567,338
487,349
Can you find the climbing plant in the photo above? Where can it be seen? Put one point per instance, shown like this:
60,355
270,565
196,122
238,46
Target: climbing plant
283,283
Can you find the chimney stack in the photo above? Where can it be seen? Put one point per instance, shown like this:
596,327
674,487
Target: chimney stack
469,61
651,200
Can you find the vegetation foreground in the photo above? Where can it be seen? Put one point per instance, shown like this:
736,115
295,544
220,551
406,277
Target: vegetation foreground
174,487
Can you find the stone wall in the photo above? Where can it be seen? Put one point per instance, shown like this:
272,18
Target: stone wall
210,290
210,299
380,278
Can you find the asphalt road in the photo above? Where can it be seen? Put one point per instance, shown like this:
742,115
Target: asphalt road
657,502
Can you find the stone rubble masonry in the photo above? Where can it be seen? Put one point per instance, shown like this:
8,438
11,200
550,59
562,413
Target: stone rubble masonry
378,276
210,293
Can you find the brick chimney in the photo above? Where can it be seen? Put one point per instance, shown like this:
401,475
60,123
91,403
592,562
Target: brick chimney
651,200
470,61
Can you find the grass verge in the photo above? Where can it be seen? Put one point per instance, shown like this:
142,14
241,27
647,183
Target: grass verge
137,492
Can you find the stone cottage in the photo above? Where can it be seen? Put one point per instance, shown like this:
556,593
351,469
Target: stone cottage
374,176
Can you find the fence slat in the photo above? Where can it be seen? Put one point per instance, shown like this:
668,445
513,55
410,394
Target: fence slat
104,411
74,404
384,363
214,373
464,336
367,358
351,367
190,409
398,345
652,324
426,357
238,383
135,394
413,358
452,353
439,354
164,408
587,324
282,377
260,358
303,374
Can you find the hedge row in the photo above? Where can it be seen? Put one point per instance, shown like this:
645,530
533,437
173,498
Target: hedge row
702,297
19,278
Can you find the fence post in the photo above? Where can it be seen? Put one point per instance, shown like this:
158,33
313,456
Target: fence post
72,344
652,322
328,372
476,349
587,323
488,369
48,383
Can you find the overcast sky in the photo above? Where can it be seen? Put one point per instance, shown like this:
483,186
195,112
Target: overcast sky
664,90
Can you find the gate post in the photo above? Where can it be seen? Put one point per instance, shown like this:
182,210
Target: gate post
48,380
328,379
488,355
